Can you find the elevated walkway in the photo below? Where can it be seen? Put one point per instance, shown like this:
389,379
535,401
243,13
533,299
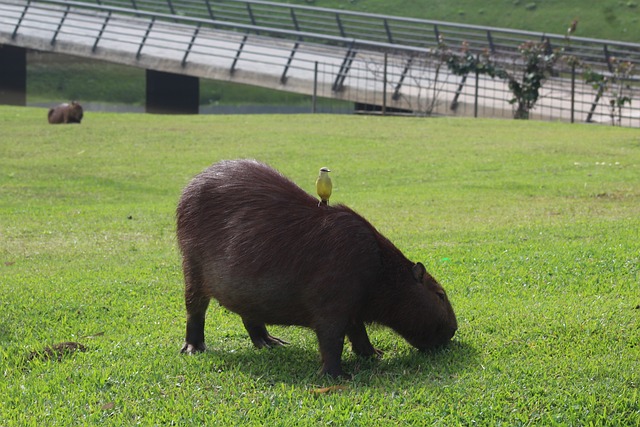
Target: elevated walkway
374,71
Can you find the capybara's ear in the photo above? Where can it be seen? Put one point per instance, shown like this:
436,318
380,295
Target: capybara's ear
419,271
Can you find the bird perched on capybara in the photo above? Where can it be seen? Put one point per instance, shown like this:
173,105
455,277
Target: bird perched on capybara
324,186
257,243
66,113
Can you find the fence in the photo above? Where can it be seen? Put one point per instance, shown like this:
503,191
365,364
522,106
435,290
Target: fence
422,85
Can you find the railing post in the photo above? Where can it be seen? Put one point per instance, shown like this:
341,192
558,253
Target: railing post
340,27
607,57
396,92
454,103
104,25
64,16
146,35
210,10
548,49
384,84
24,12
193,40
475,95
573,92
492,47
283,77
250,12
294,19
388,30
595,102
338,85
235,60
314,98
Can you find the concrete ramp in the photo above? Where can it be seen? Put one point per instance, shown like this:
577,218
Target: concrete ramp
332,68
195,50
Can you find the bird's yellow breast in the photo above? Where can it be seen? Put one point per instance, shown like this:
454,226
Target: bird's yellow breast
323,186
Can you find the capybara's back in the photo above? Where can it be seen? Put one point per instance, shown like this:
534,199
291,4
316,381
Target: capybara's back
263,248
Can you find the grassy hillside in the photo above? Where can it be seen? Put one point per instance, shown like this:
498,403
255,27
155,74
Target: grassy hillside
607,19
532,228
52,78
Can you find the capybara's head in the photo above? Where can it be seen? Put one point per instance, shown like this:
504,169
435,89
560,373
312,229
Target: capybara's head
75,112
430,320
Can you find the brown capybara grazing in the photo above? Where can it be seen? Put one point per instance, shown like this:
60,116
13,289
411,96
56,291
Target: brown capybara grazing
66,113
262,247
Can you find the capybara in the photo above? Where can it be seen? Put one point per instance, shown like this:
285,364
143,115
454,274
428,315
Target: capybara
262,247
66,113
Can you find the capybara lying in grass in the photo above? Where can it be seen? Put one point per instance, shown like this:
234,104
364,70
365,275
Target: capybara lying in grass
262,247
66,113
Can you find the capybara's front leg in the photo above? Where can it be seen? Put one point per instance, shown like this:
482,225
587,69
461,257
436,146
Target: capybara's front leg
331,345
260,336
360,343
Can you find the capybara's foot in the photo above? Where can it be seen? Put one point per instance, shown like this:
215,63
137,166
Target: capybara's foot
260,336
371,352
193,348
360,341
269,342
377,354
334,372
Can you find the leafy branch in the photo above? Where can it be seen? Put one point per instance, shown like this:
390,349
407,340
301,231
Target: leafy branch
615,84
524,81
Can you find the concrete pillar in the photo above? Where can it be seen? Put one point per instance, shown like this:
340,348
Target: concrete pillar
169,93
13,75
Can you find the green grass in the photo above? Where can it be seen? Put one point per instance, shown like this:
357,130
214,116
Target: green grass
532,228
606,19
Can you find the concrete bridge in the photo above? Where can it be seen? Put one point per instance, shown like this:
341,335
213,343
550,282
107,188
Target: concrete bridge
177,50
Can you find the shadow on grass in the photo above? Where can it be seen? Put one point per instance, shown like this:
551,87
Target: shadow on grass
440,365
295,365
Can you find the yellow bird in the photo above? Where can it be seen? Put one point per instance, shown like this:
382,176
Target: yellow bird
324,186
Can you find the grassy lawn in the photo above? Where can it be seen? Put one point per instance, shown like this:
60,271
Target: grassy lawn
532,228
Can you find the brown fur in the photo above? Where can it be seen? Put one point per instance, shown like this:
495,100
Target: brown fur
66,113
262,247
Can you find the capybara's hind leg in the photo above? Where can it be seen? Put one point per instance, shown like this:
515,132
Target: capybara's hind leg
194,342
196,302
260,336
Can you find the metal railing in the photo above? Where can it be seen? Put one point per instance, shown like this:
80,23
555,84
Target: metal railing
386,74
379,28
